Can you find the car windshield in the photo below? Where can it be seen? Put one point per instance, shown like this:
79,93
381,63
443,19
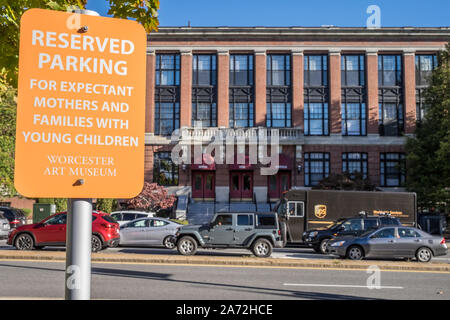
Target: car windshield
109,219
335,225
365,234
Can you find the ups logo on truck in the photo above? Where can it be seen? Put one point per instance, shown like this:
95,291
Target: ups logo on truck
320,211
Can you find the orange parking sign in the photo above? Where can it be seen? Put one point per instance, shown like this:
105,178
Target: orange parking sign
81,106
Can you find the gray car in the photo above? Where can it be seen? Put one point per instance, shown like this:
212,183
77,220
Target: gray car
149,232
389,242
4,226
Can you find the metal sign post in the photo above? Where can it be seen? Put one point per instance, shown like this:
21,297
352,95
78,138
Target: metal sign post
78,252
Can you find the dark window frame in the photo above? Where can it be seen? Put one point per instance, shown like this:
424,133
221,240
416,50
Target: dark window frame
363,163
400,167
324,160
173,171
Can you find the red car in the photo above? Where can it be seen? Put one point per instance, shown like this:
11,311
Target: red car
52,232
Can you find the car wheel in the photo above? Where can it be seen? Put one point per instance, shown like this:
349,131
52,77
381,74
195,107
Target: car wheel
262,248
424,254
187,246
323,246
355,253
24,242
97,244
169,242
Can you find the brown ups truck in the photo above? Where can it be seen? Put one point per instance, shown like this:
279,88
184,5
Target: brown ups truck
303,210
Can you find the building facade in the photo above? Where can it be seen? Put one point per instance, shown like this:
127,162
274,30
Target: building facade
341,99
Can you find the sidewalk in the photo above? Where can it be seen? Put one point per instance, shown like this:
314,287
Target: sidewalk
231,261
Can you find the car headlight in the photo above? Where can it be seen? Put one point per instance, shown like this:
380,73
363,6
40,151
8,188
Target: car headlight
313,234
337,244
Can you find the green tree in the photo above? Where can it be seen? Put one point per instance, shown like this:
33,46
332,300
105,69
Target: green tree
143,11
105,205
345,181
428,152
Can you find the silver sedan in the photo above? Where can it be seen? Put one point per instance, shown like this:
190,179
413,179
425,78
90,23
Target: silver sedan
149,232
389,242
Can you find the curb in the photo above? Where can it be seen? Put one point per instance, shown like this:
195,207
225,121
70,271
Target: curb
234,261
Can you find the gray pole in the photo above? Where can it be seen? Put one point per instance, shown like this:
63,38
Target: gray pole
78,252
79,237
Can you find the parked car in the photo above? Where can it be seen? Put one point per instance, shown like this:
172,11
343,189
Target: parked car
126,216
354,226
389,242
149,232
16,217
52,232
4,227
257,232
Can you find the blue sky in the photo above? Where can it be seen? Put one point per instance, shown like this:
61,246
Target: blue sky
283,13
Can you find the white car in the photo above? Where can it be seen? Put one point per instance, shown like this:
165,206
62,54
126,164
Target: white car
125,216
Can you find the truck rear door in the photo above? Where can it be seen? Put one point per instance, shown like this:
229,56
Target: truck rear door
296,220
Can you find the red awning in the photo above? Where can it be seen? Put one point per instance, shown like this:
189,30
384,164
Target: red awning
207,163
284,162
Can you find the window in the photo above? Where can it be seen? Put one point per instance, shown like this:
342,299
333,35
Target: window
138,224
316,119
425,64
316,95
353,119
278,70
391,121
353,225
241,70
129,216
245,220
295,209
390,221
385,233
370,224
352,70
167,94
204,114
167,118
353,162
392,169
58,219
224,219
390,70
117,216
317,167
158,223
316,70
167,70
278,115
241,115
408,233
266,221
204,70
165,172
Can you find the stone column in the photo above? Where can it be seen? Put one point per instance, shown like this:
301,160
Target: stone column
297,88
372,91
223,84
260,88
335,91
409,80
186,89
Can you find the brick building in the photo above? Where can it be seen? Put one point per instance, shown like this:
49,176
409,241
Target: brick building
343,99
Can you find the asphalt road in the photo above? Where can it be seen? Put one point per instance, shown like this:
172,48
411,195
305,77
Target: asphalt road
45,280
287,252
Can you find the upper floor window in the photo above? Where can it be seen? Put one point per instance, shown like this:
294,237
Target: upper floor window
352,70
316,70
167,71
425,64
278,70
241,70
390,70
204,70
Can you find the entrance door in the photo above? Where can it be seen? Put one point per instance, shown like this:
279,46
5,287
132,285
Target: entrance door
241,185
203,185
278,183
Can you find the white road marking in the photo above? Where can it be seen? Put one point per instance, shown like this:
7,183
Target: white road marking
336,285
